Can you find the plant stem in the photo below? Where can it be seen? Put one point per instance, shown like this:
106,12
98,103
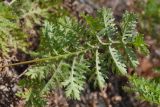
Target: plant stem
45,59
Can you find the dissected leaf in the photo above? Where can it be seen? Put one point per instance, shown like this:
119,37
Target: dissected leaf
99,79
132,56
128,27
140,44
118,60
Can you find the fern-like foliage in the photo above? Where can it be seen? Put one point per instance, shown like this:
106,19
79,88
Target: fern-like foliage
31,12
140,44
8,28
110,28
149,90
32,92
5,27
72,50
129,33
132,56
118,60
76,79
128,27
67,43
59,35
99,81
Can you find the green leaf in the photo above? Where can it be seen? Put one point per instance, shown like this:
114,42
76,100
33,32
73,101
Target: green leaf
74,83
118,60
149,90
140,44
54,80
111,29
128,27
132,56
94,23
38,72
99,80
